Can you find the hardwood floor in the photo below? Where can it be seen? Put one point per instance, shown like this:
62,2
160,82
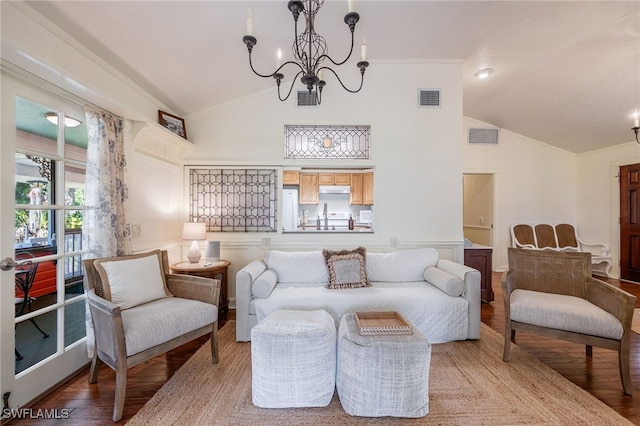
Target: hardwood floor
93,404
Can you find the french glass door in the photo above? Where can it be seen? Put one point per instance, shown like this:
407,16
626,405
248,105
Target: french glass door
42,309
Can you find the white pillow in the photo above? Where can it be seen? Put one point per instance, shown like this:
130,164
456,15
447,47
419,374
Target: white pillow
132,280
264,284
298,266
445,281
401,265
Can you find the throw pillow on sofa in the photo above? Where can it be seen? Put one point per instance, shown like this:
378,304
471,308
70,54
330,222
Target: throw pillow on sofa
445,281
298,267
400,266
346,268
264,284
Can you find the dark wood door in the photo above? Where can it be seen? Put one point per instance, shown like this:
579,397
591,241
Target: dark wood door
630,222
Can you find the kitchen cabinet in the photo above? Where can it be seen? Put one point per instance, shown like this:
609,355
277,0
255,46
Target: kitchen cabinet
309,188
367,189
479,257
361,189
342,178
290,177
334,178
326,179
355,195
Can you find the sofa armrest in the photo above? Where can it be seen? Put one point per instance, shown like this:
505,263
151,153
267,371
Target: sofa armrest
244,281
195,288
471,279
599,249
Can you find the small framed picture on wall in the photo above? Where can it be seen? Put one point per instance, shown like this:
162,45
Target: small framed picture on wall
173,123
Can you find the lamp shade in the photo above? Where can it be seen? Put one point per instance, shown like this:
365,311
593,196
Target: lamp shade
194,231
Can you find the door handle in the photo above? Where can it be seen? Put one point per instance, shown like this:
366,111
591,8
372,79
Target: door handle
8,264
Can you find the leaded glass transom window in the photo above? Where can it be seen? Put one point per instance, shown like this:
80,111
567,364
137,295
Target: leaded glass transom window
326,142
233,200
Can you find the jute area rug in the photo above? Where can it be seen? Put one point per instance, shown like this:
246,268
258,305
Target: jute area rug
469,384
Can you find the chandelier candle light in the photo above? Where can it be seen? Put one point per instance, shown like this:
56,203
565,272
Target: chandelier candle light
310,50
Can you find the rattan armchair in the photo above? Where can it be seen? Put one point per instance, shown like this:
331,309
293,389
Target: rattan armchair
118,349
553,293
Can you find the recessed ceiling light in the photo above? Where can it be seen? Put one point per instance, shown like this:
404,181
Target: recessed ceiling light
52,117
484,73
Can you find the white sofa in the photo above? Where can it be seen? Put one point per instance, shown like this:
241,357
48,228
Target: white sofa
440,297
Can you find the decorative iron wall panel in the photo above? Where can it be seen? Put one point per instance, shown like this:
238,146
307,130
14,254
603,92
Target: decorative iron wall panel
326,142
233,200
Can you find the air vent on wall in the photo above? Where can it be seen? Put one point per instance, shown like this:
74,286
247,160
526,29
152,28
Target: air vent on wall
483,136
428,98
306,98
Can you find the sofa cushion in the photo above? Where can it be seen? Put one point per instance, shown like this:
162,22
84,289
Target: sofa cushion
264,284
563,312
445,281
132,280
401,265
346,268
299,266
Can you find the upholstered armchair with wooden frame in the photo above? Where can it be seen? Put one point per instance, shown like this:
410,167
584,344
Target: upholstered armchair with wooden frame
135,321
553,293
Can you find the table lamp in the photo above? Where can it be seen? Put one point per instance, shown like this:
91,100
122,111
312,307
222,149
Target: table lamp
194,231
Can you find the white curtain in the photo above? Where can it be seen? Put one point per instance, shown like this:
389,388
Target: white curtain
105,225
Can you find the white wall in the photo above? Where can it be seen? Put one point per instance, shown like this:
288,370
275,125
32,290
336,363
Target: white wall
533,181
416,153
598,204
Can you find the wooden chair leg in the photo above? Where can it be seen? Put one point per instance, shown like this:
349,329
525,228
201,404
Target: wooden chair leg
214,343
589,350
625,373
121,390
508,332
95,366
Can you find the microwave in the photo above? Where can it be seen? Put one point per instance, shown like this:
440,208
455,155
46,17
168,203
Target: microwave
366,216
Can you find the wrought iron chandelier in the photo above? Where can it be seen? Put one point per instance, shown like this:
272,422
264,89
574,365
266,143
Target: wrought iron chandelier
310,50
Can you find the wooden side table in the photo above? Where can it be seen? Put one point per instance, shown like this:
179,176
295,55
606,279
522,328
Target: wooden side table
216,270
479,257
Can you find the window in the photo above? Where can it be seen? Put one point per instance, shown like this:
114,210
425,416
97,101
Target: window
326,142
233,200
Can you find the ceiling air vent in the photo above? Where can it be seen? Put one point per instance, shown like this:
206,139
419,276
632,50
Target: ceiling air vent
483,136
428,98
306,98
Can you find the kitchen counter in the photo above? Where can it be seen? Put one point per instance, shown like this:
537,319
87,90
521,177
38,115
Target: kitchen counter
337,230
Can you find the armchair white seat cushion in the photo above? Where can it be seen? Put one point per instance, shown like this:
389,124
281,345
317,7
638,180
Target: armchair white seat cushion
563,312
162,320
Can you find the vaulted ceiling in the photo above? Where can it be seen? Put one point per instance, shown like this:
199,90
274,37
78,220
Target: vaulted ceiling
565,72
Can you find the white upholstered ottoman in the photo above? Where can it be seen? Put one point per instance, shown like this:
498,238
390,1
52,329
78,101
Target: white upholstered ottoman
293,359
382,375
